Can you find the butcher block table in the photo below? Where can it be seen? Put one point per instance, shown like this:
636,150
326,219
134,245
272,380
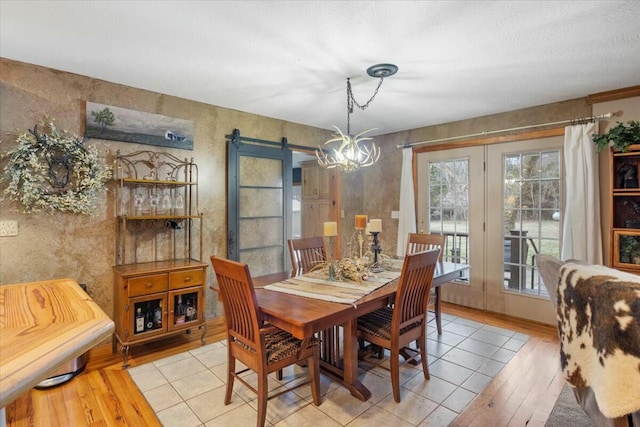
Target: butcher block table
43,325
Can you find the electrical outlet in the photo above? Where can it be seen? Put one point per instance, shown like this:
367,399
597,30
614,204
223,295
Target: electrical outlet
8,228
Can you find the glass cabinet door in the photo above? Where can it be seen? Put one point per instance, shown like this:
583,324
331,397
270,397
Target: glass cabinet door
147,315
626,248
186,308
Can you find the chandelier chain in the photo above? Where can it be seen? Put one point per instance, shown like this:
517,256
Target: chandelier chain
349,152
351,101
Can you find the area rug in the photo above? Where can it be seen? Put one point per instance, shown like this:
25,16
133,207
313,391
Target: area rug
567,412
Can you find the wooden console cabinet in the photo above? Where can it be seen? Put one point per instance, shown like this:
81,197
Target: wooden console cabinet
169,297
159,280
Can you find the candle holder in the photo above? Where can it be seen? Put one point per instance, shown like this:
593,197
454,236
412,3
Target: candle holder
376,249
332,268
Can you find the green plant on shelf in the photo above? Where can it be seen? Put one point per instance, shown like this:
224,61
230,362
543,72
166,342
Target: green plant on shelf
620,137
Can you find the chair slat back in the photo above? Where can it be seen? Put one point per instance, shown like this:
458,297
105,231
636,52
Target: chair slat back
414,286
241,308
306,254
418,242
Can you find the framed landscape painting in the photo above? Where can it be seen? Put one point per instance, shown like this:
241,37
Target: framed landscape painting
123,124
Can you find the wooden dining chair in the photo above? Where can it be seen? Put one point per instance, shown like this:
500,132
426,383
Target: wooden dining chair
263,348
394,328
305,254
419,242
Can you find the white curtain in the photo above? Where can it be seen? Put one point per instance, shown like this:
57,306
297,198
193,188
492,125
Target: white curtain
581,233
407,219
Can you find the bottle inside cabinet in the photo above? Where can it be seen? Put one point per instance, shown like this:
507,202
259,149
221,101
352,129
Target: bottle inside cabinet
148,316
191,312
139,321
179,311
185,308
157,316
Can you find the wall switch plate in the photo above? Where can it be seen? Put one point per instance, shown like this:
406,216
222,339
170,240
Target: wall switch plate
8,228
395,214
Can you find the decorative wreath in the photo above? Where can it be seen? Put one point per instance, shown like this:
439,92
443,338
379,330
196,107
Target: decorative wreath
54,171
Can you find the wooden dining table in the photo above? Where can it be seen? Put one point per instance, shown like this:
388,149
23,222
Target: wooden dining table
303,317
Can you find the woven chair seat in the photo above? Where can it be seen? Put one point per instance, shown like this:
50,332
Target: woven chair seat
282,344
378,323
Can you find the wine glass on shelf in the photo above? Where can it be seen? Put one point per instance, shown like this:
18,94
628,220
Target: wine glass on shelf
178,203
165,203
153,203
138,202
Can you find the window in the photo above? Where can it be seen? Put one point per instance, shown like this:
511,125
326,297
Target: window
449,206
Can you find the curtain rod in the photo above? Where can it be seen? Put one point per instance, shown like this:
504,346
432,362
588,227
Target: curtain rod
485,133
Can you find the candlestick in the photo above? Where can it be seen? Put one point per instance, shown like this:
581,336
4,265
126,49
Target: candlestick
375,247
375,226
361,222
330,229
332,269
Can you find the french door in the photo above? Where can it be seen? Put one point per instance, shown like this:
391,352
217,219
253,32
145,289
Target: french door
498,205
450,201
524,218
259,206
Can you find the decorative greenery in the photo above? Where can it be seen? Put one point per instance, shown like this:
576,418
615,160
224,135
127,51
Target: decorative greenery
620,137
54,171
630,249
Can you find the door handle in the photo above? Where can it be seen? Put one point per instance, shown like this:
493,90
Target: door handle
231,243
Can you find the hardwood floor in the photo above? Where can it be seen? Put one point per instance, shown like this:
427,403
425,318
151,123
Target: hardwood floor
523,393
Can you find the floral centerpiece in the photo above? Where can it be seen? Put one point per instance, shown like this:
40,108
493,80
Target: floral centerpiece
54,171
353,269
356,269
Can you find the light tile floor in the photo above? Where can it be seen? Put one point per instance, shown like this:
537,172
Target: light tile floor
187,390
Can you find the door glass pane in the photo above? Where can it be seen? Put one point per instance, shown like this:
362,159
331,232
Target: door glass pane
261,202
261,208
449,206
260,232
531,212
260,172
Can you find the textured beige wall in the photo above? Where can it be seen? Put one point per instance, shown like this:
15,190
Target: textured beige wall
83,247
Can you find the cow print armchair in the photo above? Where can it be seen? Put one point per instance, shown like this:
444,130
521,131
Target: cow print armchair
598,311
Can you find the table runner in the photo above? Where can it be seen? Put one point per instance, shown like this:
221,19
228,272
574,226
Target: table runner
314,285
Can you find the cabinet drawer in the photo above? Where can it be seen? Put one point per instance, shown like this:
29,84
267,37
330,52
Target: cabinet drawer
185,279
147,285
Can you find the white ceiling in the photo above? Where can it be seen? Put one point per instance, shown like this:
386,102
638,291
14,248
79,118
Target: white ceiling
290,60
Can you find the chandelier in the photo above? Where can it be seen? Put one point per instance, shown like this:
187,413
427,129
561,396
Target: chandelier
345,151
